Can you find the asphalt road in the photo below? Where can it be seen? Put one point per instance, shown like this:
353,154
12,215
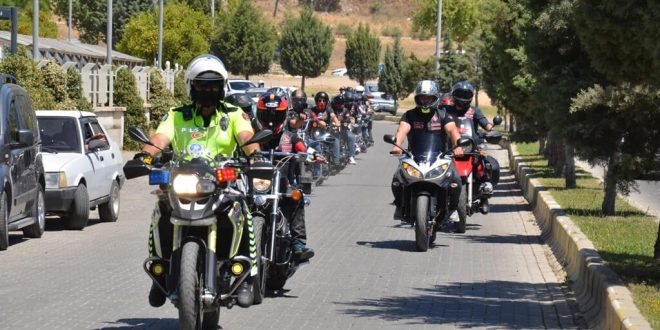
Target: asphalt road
366,273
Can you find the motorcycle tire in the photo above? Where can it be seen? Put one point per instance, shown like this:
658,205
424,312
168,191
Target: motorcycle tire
191,310
259,284
462,211
421,223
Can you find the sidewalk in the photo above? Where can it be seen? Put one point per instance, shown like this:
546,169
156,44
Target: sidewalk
646,199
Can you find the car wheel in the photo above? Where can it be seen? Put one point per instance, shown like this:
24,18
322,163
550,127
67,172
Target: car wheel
109,211
4,216
79,212
36,229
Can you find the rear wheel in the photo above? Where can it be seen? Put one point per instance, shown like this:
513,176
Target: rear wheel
79,213
421,223
191,310
4,218
462,211
36,229
259,282
109,211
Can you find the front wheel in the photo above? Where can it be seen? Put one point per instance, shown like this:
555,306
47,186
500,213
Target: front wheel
462,211
259,283
79,212
109,211
191,309
421,223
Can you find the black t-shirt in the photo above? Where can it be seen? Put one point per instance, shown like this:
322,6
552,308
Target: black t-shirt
426,130
468,121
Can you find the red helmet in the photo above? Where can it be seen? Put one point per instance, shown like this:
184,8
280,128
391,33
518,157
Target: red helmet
271,111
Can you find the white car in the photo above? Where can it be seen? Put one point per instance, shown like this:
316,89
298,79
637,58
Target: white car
340,72
82,165
238,86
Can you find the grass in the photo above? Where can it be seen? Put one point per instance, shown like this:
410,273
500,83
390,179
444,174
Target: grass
625,241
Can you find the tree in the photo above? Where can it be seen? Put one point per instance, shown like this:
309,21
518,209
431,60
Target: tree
74,90
126,95
245,41
180,92
47,28
322,5
185,35
305,46
362,54
459,18
454,68
160,98
391,79
90,17
416,70
29,77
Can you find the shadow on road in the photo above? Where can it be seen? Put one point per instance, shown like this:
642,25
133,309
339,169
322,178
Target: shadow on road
57,224
401,245
143,323
504,239
500,304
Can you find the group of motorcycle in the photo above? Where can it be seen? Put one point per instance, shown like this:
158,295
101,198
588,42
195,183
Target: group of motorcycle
227,227
426,178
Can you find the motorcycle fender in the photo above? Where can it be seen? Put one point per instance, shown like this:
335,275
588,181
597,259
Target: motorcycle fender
237,220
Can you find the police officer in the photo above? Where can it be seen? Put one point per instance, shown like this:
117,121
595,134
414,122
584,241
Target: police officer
208,122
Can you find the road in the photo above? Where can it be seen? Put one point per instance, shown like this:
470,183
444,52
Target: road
365,275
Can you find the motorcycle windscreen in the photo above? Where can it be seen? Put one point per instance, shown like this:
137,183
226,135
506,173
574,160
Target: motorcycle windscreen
426,147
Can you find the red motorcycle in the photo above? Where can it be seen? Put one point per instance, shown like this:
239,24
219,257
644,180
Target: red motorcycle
472,169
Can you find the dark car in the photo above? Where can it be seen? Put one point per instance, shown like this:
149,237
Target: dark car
21,169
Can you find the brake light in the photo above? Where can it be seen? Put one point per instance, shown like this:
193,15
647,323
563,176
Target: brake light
370,96
225,174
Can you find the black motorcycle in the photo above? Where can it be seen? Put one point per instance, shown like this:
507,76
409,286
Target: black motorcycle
206,199
268,186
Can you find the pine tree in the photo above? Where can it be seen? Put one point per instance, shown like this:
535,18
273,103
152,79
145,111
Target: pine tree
391,79
362,54
126,95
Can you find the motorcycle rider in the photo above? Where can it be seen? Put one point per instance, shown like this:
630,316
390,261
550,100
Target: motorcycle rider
339,105
323,114
207,122
363,100
468,119
272,114
426,118
244,102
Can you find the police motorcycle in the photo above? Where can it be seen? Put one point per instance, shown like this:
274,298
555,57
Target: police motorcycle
425,174
268,185
207,200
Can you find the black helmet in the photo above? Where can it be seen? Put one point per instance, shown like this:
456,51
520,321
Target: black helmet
462,93
299,100
337,103
350,98
321,96
242,101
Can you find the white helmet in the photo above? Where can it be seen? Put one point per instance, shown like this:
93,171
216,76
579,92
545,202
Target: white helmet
359,89
206,67
427,88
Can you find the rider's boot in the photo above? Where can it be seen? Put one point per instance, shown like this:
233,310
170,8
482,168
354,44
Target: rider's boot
302,252
245,293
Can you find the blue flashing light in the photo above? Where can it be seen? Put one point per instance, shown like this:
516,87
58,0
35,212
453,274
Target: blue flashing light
159,177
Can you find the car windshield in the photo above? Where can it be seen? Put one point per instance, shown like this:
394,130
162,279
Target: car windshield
241,85
372,88
59,134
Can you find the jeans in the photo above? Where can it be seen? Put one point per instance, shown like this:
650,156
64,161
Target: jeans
350,140
295,214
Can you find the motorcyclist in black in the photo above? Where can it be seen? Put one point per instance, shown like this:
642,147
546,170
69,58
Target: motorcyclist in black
468,119
324,115
244,102
416,124
341,106
363,100
273,114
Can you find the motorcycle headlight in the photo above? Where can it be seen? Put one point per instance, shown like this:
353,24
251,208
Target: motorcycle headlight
185,184
412,171
261,185
438,171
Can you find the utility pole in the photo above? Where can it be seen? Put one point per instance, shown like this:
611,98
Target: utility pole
438,41
212,12
108,35
275,11
35,30
160,35
70,21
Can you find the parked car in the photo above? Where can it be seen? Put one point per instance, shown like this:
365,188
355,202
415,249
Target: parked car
83,167
238,86
340,72
21,170
379,100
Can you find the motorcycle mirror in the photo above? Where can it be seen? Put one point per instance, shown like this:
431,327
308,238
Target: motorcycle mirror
138,134
389,138
497,120
260,137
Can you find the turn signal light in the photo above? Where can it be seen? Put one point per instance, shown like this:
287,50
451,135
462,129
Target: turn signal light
225,174
237,268
157,269
296,195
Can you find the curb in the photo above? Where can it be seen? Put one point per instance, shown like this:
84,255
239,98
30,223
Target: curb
603,298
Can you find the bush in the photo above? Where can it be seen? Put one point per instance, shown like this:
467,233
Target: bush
160,98
421,35
55,82
343,30
28,76
391,31
376,6
126,95
75,92
180,91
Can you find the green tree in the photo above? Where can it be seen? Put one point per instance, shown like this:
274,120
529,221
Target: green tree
160,98
245,41
362,54
47,28
305,46
185,35
90,17
454,68
391,79
29,77
74,90
55,82
415,70
180,91
459,18
126,95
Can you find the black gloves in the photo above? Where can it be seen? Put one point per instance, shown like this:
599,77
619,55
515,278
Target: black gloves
144,157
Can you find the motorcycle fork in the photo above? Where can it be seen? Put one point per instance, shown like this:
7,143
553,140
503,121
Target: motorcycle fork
211,260
273,215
